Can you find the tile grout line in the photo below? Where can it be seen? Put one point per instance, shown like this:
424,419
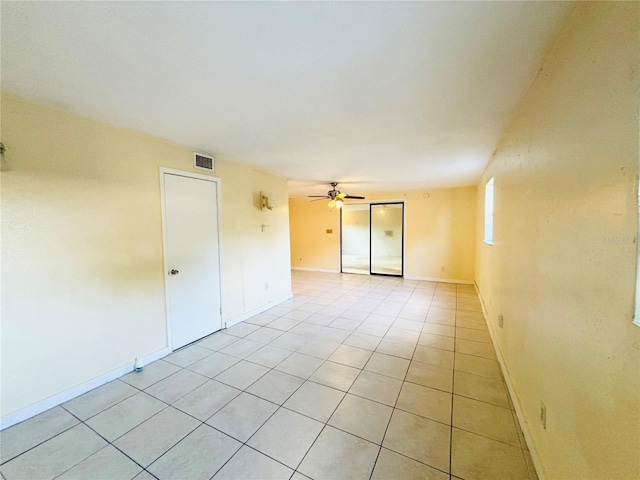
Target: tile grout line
325,360
222,407
453,382
405,302
44,441
167,406
326,424
82,422
393,409
245,443
270,416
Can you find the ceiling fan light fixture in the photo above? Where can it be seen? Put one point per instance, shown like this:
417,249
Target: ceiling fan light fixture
336,197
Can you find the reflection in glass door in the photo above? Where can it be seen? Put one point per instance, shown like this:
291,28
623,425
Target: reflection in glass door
355,238
372,238
386,238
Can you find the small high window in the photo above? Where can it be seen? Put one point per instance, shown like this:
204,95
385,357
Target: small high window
488,212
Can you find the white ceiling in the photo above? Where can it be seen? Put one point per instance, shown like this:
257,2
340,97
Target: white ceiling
380,96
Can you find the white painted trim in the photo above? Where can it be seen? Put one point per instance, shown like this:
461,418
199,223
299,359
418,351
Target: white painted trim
636,308
184,173
339,249
404,238
524,426
308,269
441,280
57,399
244,316
197,176
376,200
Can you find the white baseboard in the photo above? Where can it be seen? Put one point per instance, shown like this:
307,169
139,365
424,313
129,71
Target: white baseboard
243,316
524,426
406,277
55,400
309,269
441,280
59,398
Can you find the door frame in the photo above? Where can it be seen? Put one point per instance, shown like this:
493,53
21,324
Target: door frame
196,176
404,237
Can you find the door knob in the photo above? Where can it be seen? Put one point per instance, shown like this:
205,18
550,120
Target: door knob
173,272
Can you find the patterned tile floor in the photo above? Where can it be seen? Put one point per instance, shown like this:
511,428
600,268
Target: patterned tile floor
356,377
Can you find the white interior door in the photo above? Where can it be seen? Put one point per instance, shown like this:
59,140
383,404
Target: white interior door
192,258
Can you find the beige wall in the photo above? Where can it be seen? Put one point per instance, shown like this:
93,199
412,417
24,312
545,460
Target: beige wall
439,233
311,245
82,261
562,270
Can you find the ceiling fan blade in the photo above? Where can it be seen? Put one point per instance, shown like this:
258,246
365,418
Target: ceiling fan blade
317,199
354,197
317,196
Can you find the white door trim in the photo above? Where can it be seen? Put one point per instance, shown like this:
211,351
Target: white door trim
197,176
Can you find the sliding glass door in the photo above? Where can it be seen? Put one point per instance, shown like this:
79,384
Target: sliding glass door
372,238
386,238
355,238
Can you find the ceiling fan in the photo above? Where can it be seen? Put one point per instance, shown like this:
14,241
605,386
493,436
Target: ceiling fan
336,197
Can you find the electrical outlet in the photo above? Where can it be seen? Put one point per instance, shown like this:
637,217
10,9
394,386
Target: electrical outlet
501,320
543,415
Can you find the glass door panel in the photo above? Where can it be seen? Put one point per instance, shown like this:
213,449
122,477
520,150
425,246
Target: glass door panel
386,238
355,238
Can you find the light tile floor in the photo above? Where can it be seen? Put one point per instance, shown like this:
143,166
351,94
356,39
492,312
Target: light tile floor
356,377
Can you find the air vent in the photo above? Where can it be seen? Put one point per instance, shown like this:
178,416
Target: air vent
203,162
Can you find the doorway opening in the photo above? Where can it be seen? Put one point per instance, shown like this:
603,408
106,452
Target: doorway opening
372,239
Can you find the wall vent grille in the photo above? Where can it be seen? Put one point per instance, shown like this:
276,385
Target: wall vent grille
203,162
